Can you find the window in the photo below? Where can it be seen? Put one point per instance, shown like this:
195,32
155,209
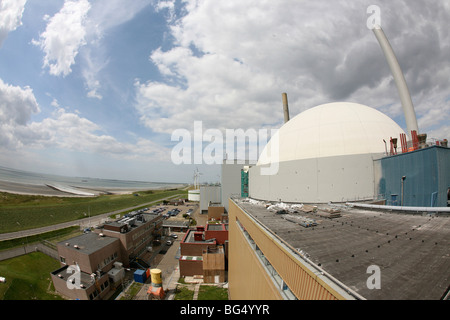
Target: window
62,259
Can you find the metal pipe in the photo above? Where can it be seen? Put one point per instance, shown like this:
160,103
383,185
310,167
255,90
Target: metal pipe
285,107
405,97
398,208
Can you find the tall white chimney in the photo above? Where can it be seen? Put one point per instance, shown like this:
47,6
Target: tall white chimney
405,97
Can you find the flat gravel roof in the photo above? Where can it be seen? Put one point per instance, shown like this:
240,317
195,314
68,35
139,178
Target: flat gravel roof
411,250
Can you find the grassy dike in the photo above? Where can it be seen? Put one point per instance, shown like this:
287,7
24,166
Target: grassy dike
22,212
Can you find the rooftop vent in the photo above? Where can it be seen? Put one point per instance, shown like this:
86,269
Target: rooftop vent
198,236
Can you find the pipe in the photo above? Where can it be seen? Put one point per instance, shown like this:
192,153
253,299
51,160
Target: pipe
405,97
285,107
398,208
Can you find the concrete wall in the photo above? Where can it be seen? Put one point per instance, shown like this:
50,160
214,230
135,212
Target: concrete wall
215,212
231,179
209,194
189,267
221,236
336,179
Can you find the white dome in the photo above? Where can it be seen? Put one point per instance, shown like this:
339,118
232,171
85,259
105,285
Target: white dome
332,129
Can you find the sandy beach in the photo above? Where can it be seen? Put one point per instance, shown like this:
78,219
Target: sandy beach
44,190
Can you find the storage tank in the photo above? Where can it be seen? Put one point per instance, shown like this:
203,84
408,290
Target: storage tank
156,291
156,278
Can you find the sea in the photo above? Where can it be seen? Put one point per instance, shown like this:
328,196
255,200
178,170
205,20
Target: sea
33,178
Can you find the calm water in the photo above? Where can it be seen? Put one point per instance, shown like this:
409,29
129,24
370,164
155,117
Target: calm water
25,177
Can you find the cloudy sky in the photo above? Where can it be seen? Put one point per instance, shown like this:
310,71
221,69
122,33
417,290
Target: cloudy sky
97,87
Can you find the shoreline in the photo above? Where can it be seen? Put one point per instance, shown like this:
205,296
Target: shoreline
52,191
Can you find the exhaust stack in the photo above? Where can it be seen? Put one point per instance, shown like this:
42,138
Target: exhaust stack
285,107
405,97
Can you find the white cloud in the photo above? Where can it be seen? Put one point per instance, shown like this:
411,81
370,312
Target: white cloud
91,67
16,107
81,25
69,131
63,37
10,16
231,61
103,16
62,130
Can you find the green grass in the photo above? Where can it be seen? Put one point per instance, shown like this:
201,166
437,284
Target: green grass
212,293
21,212
28,278
184,293
206,292
132,291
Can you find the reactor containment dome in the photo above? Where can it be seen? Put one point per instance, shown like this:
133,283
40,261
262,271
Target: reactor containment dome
324,154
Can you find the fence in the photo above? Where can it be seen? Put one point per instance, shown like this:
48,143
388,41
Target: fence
19,251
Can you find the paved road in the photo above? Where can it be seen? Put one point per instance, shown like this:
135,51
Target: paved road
169,270
92,221
168,265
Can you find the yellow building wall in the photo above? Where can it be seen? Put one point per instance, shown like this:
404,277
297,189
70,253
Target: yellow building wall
247,277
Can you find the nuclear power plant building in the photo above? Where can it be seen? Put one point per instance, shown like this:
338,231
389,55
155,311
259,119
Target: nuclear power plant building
342,204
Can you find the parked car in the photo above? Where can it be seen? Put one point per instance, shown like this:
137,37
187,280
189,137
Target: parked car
169,242
173,235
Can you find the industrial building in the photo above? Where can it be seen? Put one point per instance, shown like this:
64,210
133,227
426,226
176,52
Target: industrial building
346,206
419,178
276,256
208,195
204,252
334,211
95,255
100,256
324,154
231,178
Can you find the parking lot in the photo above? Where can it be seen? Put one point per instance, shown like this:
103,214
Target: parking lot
165,257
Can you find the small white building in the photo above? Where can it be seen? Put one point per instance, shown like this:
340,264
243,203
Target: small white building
194,195
209,194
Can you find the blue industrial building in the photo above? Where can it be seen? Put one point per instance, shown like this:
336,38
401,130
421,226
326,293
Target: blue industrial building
419,178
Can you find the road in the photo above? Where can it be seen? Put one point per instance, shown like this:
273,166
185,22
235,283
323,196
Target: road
92,221
168,263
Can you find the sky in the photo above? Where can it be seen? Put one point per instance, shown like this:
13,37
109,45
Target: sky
96,88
